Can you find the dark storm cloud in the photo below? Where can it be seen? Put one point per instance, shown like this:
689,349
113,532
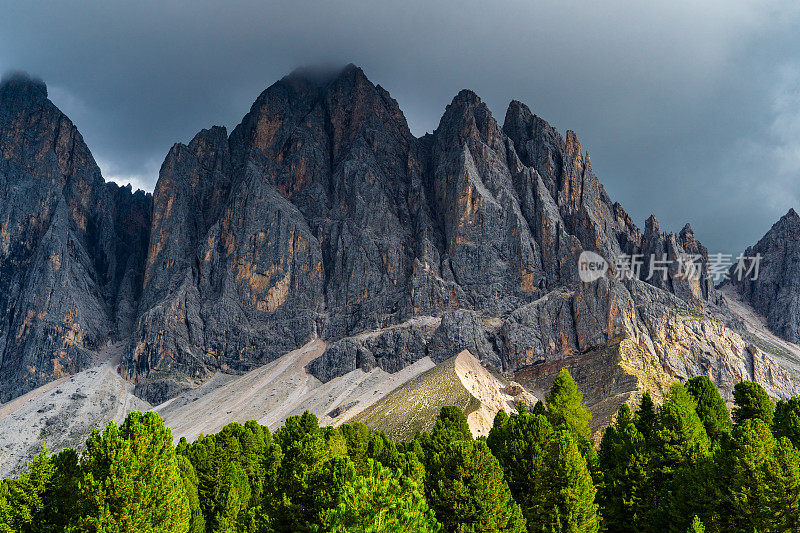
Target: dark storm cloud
690,110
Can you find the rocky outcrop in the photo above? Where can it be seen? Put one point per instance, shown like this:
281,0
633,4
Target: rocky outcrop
390,349
647,340
460,380
488,244
775,291
233,274
676,263
71,246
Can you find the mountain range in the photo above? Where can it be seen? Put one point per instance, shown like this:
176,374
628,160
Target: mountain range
322,244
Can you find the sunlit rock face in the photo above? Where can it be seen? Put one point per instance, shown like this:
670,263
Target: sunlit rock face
72,247
321,215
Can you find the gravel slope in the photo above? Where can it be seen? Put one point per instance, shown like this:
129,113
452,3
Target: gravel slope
62,413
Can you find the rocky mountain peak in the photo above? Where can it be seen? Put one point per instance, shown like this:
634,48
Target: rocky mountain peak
573,145
213,136
21,88
651,227
211,146
784,231
517,111
789,224
687,239
466,98
775,293
467,116
658,246
71,246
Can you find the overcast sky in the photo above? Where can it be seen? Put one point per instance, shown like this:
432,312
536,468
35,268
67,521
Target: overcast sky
689,109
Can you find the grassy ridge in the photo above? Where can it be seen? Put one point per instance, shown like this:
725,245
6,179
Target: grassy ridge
413,407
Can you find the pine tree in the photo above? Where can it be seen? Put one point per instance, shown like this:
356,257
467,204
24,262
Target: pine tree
624,462
382,449
197,523
710,407
539,409
309,480
25,498
382,501
451,426
249,446
753,474
567,496
501,417
465,487
788,486
452,418
751,401
358,439
131,481
546,472
59,498
680,439
694,490
786,422
565,406
646,418
681,434
6,517
232,498
519,443
295,428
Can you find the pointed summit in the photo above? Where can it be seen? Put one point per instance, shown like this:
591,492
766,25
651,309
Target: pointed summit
466,97
787,227
467,116
651,226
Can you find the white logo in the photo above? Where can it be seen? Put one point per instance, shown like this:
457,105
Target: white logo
591,266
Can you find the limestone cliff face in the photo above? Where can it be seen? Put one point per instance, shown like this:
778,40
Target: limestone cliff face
321,215
775,293
585,208
619,339
310,219
71,246
491,250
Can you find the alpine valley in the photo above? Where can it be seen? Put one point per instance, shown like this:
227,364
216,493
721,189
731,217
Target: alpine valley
321,257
